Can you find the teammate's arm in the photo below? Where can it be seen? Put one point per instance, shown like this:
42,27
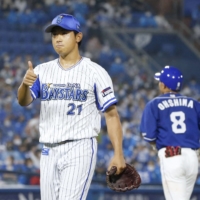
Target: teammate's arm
115,134
24,93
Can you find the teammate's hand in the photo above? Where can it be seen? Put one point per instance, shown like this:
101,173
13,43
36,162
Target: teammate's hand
119,162
30,76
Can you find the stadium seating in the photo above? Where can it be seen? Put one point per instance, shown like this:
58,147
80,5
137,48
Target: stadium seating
22,38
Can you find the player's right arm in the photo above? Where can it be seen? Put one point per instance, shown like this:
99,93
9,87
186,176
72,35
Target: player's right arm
24,93
148,125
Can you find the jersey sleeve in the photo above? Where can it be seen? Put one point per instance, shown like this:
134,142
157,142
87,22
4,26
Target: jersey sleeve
104,92
198,113
148,125
35,88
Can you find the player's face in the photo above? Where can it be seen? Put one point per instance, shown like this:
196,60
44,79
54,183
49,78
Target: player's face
64,41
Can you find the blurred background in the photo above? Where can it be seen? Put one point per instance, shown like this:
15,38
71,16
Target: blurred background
131,39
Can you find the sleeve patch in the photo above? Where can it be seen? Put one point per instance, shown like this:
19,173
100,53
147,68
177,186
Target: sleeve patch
106,91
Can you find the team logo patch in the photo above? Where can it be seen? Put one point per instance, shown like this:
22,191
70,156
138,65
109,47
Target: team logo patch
45,151
69,91
106,91
59,19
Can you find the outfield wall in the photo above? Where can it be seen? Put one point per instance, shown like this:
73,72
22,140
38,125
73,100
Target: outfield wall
147,192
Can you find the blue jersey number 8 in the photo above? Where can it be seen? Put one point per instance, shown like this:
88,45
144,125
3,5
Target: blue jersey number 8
177,119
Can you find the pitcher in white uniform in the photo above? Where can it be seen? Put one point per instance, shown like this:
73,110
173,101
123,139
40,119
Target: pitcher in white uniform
73,90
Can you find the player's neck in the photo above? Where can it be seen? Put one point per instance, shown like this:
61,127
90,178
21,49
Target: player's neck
166,90
170,92
68,61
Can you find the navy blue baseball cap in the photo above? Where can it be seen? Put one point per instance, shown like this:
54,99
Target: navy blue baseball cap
65,21
171,77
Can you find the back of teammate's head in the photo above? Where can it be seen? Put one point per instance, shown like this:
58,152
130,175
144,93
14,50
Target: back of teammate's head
171,77
65,21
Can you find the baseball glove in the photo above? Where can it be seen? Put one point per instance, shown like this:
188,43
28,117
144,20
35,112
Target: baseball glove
128,180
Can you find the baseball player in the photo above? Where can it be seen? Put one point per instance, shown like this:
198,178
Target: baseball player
73,90
171,121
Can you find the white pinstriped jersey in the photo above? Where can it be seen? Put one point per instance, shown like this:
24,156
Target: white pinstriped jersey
71,99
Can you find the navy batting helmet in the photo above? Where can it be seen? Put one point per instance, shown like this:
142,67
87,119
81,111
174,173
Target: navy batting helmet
171,77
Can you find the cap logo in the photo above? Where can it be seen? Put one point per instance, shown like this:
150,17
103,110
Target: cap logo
59,19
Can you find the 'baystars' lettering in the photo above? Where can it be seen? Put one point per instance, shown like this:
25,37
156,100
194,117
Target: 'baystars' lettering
63,93
175,102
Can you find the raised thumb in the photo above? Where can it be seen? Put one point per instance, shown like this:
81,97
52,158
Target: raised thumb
30,65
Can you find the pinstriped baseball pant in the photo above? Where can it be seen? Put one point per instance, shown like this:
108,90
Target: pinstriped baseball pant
67,170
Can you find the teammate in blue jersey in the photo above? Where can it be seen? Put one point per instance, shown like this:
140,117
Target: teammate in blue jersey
73,91
171,122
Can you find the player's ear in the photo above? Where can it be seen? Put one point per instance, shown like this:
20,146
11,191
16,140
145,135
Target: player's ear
162,85
79,37
166,88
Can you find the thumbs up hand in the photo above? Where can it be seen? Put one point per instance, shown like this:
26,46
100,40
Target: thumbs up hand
30,76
